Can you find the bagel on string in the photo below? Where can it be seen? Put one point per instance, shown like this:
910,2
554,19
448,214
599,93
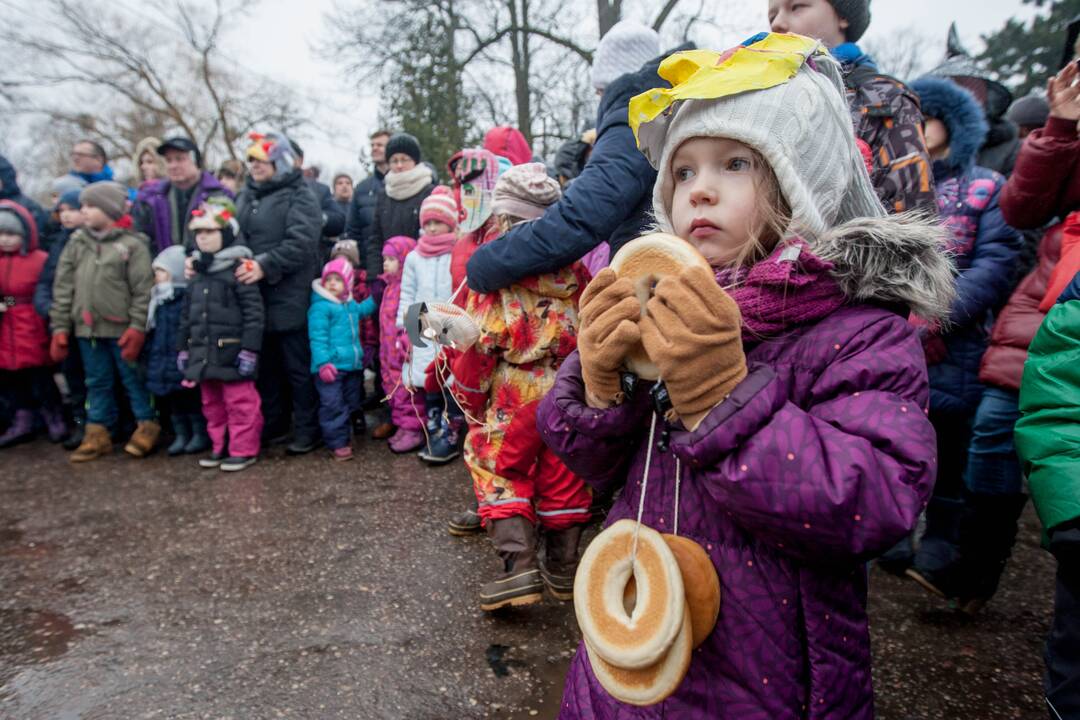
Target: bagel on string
642,637
649,685
646,260
701,584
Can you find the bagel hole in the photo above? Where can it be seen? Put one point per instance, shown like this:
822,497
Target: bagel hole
629,598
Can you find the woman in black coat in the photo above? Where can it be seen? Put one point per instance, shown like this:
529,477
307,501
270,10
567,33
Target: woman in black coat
281,222
397,208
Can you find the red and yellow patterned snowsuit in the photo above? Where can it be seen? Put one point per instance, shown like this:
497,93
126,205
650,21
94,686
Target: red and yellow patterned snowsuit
526,331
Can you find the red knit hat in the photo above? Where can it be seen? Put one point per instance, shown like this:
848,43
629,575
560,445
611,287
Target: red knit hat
439,206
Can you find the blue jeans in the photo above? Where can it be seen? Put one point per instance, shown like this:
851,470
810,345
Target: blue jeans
100,357
993,467
336,401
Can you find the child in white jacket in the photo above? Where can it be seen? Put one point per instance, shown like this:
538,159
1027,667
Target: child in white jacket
426,278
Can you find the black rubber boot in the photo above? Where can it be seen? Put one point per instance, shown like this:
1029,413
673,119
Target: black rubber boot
181,425
519,583
560,561
466,522
987,535
937,561
200,441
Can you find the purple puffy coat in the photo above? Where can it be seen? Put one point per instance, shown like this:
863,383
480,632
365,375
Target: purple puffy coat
819,460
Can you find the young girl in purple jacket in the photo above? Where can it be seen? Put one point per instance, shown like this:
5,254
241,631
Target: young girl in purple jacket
797,446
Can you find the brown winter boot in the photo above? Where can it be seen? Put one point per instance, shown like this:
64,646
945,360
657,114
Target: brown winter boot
519,583
561,561
96,443
144,439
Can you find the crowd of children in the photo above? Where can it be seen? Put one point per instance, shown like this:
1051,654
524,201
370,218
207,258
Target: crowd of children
841,371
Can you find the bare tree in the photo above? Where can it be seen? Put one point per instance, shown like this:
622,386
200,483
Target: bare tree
126,74
906,54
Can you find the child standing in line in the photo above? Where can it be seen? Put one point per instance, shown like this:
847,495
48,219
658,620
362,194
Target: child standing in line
221,330
797,430
102,293
25,366
163,378
526,331
406,408
369,331
426,278
337,357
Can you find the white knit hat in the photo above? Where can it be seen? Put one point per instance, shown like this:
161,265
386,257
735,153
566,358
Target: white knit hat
624,48
801,127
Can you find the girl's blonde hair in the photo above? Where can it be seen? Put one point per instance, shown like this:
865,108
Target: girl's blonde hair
772,218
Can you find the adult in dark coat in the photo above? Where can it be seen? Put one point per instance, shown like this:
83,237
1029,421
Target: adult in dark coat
397,208
333,219
281,222
362,207
9,190
608,202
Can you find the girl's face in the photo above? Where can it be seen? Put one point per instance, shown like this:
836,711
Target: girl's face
161,276
817,19
70,217
10,242
208,241
334,285
148,166
434,227
390,265
400,162
95,218
937,138
714,204
260,170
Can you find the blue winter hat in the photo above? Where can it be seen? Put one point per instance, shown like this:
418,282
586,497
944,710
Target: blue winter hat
71,199
962,114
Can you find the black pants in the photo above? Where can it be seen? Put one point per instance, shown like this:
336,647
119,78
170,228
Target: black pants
284,373
1063,642
72,368
30,388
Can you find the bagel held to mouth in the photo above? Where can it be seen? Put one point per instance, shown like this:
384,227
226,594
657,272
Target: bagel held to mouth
651,684
645,260
641,638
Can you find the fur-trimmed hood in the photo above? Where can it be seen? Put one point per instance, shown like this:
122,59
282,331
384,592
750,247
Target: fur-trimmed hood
962,114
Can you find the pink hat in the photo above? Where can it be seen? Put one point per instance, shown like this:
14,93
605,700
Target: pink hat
439,206
398,247
525,191
342,267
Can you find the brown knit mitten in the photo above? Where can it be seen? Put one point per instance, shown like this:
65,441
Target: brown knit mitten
691,331
609,315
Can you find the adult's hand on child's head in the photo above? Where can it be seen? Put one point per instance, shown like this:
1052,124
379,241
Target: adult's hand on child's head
1063,93
58,348
609,315
249,272
692,332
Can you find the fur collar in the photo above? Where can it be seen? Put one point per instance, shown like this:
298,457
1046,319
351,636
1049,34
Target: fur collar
318,289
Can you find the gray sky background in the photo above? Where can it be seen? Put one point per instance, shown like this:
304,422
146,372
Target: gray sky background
284,49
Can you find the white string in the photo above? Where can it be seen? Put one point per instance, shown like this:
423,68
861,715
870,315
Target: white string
644,485
678,481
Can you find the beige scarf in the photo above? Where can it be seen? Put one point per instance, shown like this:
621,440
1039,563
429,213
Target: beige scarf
403,185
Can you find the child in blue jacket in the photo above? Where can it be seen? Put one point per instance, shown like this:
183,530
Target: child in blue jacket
336,354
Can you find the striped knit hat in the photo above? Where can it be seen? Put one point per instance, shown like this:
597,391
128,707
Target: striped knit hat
440,206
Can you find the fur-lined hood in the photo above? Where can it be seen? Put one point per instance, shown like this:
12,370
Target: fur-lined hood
150,145
962,114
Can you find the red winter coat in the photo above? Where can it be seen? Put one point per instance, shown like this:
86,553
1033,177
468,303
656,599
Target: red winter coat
24,337
1045,184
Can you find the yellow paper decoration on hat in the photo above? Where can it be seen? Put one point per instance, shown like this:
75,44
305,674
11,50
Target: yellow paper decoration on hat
708,75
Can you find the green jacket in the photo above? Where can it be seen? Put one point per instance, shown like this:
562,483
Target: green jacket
102,287
1048,433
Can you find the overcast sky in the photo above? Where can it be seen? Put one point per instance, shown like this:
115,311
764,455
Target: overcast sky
284,49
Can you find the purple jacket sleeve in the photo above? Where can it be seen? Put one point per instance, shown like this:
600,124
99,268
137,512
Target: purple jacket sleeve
841,477
595,444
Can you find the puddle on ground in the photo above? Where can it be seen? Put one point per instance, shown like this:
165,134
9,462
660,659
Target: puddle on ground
34,636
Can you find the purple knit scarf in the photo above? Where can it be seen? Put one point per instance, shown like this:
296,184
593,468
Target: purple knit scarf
790,287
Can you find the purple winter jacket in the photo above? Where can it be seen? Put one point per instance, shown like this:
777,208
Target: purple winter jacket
819,460
153,216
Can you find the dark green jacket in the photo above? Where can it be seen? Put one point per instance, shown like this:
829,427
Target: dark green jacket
102,287
1048,433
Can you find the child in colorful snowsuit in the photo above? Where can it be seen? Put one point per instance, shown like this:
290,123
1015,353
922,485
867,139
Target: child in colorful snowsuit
220,337
369,331
426,278
25,365
797,431
986,251
337,357
406,408
69,213
102,293
181,405
526,331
